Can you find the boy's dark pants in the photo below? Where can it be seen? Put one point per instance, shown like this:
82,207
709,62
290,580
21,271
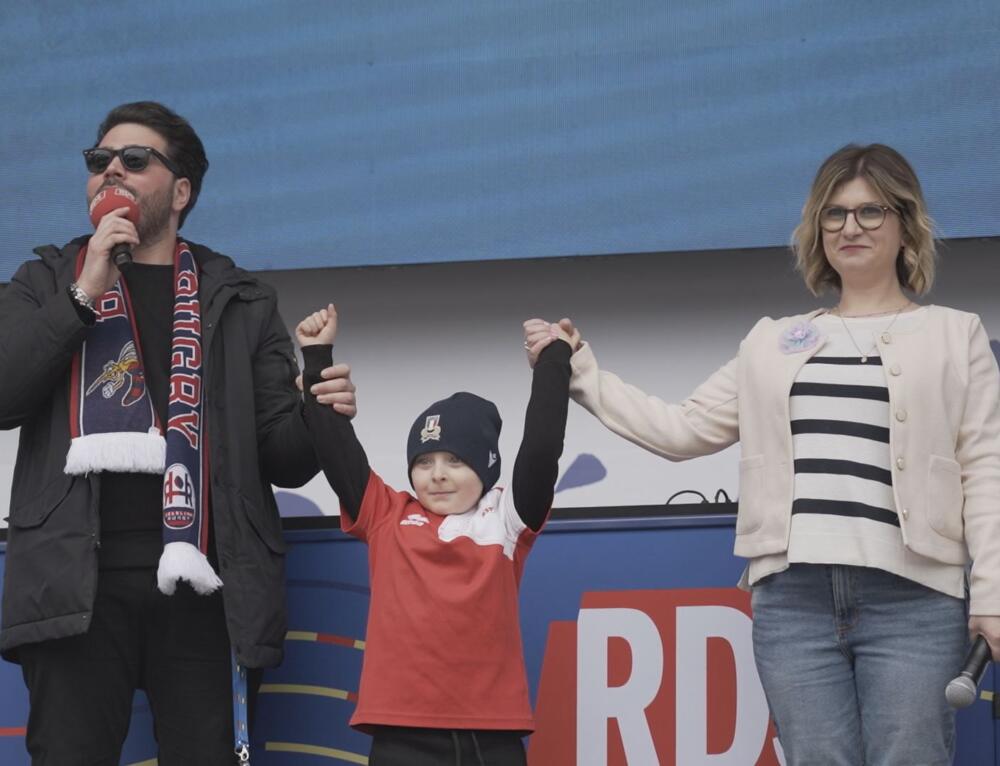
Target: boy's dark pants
404,746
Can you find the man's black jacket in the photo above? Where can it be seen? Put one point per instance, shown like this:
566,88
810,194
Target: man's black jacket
256,437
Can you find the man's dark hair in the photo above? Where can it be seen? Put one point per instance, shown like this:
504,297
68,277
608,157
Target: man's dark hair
183,145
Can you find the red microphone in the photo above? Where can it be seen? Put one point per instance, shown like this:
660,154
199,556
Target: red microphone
111,198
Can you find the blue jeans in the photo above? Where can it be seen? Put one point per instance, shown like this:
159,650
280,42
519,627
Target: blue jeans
854,662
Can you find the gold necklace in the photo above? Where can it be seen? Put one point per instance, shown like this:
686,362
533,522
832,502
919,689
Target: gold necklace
862,354
836,310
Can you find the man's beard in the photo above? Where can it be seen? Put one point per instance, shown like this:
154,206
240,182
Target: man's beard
154,216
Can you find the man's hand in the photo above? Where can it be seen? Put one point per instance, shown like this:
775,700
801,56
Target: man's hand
99,272
539,333
336,389
320,327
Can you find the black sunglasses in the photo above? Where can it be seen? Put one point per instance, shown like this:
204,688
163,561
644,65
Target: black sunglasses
133,159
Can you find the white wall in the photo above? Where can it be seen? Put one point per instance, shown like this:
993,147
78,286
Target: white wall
663,322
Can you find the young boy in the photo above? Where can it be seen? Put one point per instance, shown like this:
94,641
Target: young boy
443,679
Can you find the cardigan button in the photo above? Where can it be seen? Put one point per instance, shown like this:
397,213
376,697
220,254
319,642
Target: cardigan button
886,338
901,415
905,513
895,370
900,463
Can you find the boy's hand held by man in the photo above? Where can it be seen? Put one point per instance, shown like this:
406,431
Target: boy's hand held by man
320,327
335,388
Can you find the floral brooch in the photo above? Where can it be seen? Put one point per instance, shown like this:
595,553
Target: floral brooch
801,336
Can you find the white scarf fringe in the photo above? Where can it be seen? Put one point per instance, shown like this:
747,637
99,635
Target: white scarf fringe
183,561
128,452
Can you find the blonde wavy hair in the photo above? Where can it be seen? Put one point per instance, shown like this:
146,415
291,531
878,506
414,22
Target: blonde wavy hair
892,178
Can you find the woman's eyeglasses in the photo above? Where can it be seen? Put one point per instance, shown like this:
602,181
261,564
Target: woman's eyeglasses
133,159
868,216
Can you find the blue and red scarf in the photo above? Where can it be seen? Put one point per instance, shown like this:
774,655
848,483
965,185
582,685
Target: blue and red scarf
114,426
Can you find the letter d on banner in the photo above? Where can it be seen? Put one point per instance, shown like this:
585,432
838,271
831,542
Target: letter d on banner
695,625
597,702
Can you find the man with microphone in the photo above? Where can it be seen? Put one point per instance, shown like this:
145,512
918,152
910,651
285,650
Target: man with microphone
153,384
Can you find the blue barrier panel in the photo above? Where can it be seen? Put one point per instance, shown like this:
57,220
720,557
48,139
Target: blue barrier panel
609,605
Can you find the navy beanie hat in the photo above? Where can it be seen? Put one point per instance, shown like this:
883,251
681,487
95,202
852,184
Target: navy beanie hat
465,425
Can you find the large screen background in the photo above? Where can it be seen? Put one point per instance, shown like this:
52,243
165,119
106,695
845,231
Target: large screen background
365,132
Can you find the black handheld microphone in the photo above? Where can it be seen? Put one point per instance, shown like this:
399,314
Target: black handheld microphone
121,255
963,690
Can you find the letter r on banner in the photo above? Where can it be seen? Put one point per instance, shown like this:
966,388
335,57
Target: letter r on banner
597,702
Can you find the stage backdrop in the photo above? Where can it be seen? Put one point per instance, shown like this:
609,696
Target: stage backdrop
378,132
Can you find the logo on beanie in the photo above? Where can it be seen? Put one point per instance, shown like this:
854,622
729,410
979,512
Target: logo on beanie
431,429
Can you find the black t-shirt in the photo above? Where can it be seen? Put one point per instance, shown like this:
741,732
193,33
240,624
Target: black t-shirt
132,503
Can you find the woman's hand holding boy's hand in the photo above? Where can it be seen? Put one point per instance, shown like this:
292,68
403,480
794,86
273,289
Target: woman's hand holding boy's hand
320,327
569,333
538,334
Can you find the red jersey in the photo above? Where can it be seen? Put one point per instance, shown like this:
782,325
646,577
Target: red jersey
443,646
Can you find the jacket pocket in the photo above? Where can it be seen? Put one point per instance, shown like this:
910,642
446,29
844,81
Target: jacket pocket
945,499
266,525
750,516
33,512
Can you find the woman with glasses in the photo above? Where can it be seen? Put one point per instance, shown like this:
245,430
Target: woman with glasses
870,474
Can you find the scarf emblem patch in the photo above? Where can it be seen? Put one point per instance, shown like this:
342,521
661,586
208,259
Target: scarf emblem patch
118,373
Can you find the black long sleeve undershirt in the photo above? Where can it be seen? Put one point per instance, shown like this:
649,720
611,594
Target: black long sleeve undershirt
537,465
338,450
536,468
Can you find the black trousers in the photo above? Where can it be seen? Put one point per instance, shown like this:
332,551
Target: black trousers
406,746
176,648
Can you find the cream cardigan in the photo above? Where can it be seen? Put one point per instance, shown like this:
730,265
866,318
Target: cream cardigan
944,399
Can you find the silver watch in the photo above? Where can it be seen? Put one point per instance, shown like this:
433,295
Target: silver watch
81,298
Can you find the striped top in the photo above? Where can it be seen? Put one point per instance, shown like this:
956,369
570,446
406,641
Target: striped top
843,509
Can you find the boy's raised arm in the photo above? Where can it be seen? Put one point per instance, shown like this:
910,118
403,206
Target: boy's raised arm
338,450
537,465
